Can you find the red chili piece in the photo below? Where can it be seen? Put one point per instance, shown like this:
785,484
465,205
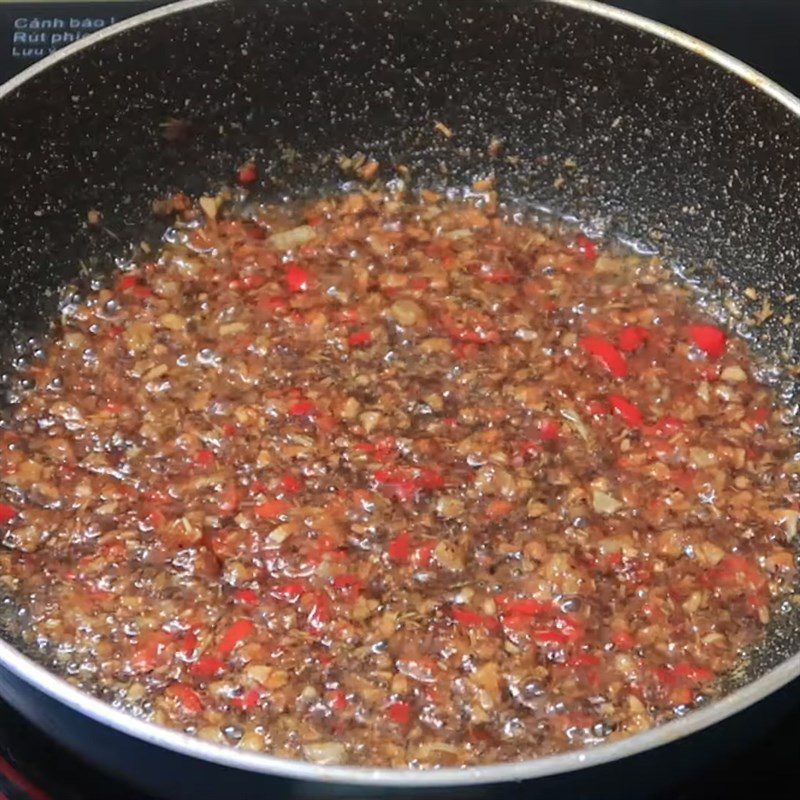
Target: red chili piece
208,667
188,644
229,500
156,519
247,701
247,596
302,408
142,292
477,330
273,304
248,282
7,513
400,713
472,619
596,408
668,426
498,275
240,631
401,482
320,613
632,338
349,586
683,478
549,636
297,278
204,458
423,554
709,338
736,571
248,173
384,448
289,592
586,247
529,447
565,632
583,660
627,410
291,484
622,640
150,652
610,357
429,479
525,606
271,509
258,487
187,697
404,483
692,672
400,548
360,339
131,284
338,699
549,430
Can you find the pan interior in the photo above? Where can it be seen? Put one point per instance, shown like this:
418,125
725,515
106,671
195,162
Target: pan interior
600,123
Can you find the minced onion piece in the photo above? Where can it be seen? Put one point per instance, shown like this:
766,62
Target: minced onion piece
289,240
604,503
325,753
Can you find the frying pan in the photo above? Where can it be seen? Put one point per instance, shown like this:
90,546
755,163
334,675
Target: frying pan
632,128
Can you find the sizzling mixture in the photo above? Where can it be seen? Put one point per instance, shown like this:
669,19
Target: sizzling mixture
394,482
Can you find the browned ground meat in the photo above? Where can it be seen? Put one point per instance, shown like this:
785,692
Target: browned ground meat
394,482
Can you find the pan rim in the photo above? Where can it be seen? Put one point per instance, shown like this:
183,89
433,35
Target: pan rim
57,688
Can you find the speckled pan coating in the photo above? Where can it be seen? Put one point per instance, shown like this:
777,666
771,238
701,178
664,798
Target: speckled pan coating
628,133
663,140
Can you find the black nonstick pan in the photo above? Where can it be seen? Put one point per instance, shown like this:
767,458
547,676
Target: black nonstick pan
631,128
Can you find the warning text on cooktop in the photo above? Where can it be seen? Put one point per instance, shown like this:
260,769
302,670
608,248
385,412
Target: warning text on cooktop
31,30
34,37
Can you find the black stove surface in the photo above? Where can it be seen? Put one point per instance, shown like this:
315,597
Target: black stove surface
764,34
33,768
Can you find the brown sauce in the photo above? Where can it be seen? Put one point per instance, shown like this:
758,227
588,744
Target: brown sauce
395,482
